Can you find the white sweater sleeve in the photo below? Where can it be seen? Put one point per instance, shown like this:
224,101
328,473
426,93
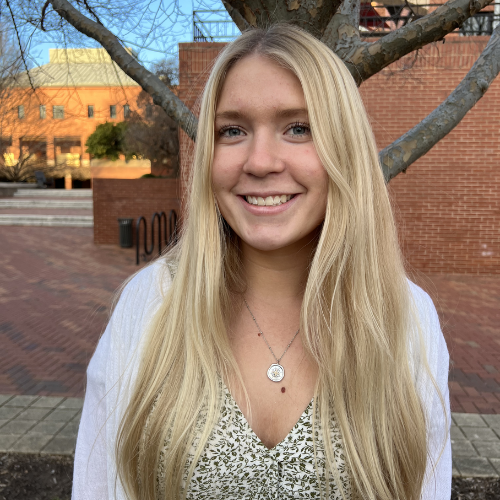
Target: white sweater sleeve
110,377
437,482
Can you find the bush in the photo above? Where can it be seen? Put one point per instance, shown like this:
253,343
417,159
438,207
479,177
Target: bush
107,141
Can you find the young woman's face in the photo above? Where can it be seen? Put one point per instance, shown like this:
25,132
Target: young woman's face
269,182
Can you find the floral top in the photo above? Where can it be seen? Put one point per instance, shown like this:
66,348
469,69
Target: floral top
235,464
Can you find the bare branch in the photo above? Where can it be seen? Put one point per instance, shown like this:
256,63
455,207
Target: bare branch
42,17
342,32
411,146
237,18
370,58
21,49
160,93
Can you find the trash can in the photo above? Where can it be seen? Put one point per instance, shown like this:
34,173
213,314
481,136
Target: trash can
125,227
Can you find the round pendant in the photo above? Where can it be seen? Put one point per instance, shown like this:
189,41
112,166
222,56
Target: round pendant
276,373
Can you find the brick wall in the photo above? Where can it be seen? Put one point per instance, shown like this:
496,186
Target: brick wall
448,204
130,198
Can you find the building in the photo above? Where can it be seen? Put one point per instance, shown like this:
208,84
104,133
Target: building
50,112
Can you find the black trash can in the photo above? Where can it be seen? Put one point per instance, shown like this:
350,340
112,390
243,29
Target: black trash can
125,227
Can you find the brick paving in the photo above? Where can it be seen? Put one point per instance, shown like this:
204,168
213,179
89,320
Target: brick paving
469,310
56,287
55,291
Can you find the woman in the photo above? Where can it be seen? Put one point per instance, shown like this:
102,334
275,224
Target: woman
278,351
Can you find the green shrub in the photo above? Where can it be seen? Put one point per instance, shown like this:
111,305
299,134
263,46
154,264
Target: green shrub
107,141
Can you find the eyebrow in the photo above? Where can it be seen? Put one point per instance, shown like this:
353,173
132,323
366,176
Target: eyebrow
280,113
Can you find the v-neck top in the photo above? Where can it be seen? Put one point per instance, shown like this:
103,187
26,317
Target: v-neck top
235,464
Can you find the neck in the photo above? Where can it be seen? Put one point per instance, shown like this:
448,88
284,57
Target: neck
277,276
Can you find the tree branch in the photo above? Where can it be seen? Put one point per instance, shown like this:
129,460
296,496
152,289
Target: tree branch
237,18
160,93
411,146
342,32
370,58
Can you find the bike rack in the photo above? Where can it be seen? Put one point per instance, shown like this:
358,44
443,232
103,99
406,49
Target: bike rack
168,238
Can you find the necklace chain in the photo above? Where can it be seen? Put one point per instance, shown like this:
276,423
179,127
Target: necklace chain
264,337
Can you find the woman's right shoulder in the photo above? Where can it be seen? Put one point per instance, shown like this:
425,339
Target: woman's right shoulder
140,298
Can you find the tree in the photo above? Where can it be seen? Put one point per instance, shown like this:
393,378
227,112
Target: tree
336,23
153,134
108,141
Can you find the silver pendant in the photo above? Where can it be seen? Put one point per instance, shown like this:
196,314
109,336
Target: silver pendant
276,373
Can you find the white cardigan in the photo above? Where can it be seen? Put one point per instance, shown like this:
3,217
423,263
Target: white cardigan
114,365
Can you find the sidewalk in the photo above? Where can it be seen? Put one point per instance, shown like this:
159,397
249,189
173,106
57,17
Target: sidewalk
49,425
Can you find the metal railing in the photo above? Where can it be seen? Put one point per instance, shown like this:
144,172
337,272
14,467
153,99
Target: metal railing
168,237
213,26
379,20
375,21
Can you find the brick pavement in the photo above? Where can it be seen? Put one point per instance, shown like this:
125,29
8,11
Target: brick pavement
55,291
469,310
56,287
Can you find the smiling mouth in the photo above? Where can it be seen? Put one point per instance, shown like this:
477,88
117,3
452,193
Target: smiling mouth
269,201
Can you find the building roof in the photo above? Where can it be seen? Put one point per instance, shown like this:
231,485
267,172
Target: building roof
76,68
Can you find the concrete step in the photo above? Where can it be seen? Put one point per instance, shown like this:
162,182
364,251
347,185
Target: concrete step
54,193
45,203
17,185
47,220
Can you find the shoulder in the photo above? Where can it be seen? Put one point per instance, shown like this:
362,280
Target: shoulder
140,298
424,315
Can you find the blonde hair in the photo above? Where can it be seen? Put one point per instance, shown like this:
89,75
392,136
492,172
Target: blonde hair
355,316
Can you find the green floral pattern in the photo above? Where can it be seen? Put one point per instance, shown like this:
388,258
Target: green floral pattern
235,464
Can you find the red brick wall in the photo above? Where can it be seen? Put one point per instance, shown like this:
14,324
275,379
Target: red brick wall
130,198
448,204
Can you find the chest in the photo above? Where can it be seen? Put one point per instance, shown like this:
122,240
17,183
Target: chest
235,464
272,407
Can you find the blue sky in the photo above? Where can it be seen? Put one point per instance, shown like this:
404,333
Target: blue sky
156,40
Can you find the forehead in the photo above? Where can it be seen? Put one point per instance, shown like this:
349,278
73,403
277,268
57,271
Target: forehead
256,83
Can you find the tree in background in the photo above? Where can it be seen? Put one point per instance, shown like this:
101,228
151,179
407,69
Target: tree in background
108,141
152,134
336,23
32,158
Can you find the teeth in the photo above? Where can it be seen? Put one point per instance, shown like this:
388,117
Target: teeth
270,201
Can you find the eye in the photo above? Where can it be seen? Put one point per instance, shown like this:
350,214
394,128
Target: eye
230,131
298,130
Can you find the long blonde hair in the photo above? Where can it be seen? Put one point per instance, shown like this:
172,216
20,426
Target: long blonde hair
355,314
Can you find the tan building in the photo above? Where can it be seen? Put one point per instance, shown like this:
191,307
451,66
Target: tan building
77,90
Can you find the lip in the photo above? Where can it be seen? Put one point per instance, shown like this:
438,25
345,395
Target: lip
264,209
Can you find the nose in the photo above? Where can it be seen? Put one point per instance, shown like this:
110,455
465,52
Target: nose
263,155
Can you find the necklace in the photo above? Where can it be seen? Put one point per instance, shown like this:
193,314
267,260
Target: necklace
275,372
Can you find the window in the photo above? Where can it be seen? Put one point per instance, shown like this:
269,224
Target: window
43,112
126,111
149,111
112,111
90,111
58,112
20,111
